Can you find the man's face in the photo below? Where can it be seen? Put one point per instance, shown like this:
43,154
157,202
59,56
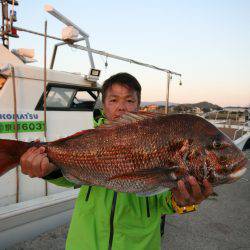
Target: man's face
119,100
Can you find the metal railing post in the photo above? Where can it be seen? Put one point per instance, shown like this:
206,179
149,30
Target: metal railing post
167,93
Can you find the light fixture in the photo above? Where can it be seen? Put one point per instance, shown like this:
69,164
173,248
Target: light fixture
94,75
95,72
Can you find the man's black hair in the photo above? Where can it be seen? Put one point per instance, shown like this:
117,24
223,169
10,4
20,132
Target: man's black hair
122,79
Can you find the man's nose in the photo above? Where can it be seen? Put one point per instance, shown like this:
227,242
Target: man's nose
122,106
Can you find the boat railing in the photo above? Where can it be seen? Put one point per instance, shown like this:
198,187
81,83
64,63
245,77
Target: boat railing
229,118
242,129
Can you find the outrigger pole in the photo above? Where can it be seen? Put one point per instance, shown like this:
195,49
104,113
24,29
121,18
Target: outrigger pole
103,53
100,52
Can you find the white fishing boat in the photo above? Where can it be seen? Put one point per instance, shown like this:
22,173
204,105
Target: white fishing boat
70,103
44,104
236,125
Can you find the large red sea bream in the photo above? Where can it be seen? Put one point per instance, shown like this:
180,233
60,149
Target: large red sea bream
142,153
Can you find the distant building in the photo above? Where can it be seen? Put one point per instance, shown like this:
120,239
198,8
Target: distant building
235,109
150,108
197,110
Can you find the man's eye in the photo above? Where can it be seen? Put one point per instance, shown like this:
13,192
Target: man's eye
130,101
112,100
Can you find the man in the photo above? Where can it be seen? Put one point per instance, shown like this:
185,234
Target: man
102,218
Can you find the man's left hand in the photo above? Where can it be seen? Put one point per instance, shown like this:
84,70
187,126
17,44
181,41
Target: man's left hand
191,196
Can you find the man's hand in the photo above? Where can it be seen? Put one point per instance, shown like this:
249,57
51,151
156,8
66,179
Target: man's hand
191,196
35,163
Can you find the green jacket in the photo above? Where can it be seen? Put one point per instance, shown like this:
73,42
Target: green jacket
104,219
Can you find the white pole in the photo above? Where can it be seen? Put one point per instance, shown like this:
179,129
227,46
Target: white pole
167,95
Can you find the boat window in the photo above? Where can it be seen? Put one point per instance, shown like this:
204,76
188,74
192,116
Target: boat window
85,99
2,81
70,98
59,97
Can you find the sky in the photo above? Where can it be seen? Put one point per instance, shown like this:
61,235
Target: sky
208,42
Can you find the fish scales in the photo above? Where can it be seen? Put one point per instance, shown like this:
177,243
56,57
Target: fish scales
119,148
146,153
114,156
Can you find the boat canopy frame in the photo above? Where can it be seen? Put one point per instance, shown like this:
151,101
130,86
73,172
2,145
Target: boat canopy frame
100,52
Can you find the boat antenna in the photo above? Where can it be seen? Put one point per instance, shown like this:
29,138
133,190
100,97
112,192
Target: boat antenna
51,10
8,18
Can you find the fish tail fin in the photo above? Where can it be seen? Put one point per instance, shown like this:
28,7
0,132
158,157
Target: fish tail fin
10,153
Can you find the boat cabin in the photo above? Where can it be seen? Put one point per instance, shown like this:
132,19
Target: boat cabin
70,101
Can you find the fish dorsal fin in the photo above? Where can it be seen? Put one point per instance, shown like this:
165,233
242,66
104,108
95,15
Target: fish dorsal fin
130,117
83,132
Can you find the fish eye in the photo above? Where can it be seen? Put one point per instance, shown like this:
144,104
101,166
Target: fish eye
217,144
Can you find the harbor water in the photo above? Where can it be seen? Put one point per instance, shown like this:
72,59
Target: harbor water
221,222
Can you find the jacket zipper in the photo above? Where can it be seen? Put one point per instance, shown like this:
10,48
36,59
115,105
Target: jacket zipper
111,234
148,210
88,193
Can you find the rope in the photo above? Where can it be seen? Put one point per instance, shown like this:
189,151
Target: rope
12,14
16,128
7,22
44,92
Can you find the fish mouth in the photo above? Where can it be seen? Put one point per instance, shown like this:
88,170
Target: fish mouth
239,168
236,175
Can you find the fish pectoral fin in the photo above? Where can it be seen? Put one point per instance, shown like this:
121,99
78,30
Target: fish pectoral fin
153,173
128,176
162,170
145,182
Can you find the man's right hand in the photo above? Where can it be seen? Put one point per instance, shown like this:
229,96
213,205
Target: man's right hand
35,163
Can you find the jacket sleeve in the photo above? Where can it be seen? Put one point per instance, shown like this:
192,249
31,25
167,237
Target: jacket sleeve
165,203
57,178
